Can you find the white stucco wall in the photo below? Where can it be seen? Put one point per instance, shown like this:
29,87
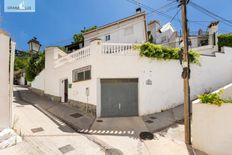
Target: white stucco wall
211,126
38,82
54,76
118,32
166,90
5,89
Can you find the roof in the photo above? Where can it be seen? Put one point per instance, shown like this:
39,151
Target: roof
72,45
153,21
3,32
166,27
117,22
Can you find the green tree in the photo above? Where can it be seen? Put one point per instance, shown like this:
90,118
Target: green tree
79,38
36,64
21,61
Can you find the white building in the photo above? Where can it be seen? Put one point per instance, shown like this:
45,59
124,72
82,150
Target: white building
111,79
161,34
203,41
7,48
128,30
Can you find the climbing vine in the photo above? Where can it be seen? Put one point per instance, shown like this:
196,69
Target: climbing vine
151,50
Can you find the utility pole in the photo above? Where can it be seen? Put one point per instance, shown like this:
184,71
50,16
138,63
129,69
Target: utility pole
186,73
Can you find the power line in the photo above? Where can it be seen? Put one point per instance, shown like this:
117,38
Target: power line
211,14
175,15
150,9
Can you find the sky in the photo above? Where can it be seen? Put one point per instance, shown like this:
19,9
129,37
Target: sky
54,22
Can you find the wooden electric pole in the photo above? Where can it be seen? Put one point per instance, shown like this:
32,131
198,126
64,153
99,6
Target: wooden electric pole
186,73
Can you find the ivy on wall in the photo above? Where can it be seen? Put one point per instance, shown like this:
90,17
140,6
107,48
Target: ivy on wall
159,52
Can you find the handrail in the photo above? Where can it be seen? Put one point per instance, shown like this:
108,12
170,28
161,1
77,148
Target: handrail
79,54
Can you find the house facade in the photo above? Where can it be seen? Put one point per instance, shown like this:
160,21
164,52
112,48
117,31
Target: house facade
203,41
109,78
128,30
7,48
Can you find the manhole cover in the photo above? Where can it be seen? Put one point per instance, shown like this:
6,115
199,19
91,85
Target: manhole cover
76,115
35,130
113,152
149,121
66,149
152,117
100,121
146,135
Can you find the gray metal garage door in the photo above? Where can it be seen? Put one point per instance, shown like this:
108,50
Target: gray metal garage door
119,97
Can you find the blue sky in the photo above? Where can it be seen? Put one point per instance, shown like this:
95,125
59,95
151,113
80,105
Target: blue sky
55,21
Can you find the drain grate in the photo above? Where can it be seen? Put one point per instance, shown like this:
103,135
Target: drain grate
99,121
146,135
152,117
113,152
76,115
66,149
149,121
35,130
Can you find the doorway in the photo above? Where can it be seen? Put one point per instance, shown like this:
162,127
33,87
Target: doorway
64,90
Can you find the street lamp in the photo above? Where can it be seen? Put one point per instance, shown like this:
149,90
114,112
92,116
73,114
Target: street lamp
34,45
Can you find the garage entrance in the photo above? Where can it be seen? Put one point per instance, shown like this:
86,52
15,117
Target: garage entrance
119,97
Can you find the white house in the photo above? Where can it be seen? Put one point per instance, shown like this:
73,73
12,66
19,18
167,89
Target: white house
128,30
111,79
203,41
7,48
161,34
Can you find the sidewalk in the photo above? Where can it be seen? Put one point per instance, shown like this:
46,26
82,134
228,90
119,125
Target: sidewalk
88,124
114,134
70,115
43,134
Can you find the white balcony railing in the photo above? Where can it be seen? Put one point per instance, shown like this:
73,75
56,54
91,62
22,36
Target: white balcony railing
77,55
117,49
106,49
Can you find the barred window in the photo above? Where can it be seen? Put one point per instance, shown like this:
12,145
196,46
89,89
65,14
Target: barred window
81,74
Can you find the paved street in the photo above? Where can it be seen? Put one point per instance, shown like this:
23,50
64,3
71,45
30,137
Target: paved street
44,134
49,136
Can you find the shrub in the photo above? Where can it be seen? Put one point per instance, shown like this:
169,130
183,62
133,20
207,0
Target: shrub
213,98
225,40
160,52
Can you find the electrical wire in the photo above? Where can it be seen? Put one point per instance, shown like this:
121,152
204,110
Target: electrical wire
210,14
150,9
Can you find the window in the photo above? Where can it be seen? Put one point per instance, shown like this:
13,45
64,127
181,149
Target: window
107,37
128,31
163,39
81,74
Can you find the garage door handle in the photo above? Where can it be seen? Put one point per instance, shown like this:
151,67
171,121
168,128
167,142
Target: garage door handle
119,106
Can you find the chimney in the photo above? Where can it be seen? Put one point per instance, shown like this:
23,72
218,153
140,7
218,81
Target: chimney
138,10
213,32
